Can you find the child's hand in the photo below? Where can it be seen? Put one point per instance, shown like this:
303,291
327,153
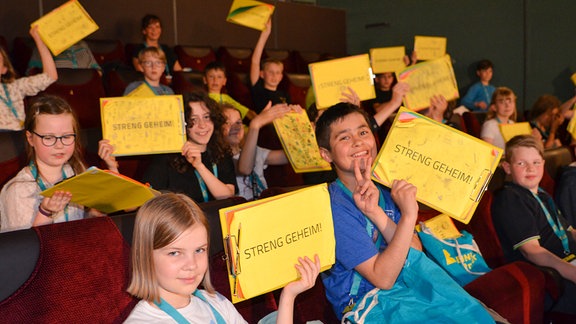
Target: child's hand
365,194
105,150
350,97
192,153
269,113
400,90
404,195
34,32
438,106
308,271
57,202
268,27
95,213
481,105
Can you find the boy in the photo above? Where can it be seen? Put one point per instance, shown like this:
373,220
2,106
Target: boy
527,221
215,79
265,79
375,242
480,93
153,61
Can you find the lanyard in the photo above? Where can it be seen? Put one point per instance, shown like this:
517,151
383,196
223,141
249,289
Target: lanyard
487,96
554,223
152,88
8,102
179,318
42,185
203,184
257,185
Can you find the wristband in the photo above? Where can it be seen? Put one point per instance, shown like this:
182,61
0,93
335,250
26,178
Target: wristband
45,212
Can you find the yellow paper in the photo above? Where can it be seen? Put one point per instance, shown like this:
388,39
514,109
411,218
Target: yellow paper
387,59
451,169
571,128
573,78
264,239
442,227
427,79
65,26
143,125
429,48
299,142
142,90
510,130
105,191
250,13
331,78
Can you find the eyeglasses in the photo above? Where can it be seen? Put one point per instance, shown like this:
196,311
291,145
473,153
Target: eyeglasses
153,63
50,140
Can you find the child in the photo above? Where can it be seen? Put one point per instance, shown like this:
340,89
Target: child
151,31
266,78
215,80
54,153
152,60
375,242
170,262
383,83
14,90
204,170
478,96
527,221
502,111
545,119
252,159
77,56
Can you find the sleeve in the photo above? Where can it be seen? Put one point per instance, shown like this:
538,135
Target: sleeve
131,86
30,86
514,218
243,109
227,310
19,204
157,173
227,173
489,129
469,98
566,195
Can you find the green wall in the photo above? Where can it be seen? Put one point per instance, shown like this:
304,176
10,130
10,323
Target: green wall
530,42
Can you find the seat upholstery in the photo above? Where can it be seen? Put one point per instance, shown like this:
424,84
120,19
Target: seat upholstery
194,57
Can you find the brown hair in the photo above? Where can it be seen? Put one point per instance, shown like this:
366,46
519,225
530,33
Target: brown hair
501,92
544,104
522,141
159,222
154,51
10,74
332,115
54,105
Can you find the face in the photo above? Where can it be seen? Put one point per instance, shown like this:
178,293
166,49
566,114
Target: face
233,129
485,75
181,265
153,67
526,167
215,80
272,75
385,81
52,125
505,106
350,139
547,118
202,126
153,31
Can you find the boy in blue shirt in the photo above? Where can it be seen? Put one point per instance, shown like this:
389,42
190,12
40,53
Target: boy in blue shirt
480,93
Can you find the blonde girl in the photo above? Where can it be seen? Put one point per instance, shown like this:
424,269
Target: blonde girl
502,111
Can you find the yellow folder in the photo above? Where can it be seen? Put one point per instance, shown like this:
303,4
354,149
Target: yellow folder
450,169
429,47
427,79
299,141
264,239
142,90
387,59
65,26
573,78
571,128
143,125
250,13
104,190
510,130
331,78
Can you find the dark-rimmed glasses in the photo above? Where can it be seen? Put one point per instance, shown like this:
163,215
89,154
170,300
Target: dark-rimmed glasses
50,140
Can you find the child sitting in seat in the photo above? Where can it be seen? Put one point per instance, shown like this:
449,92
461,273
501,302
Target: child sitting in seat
152,60
502,111
480,93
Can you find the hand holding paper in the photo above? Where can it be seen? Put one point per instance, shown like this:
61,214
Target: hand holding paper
193,153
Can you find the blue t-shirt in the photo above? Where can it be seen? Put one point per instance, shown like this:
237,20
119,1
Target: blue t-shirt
353,245
478,92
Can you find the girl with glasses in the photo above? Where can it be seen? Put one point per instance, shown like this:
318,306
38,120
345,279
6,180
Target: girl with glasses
54,154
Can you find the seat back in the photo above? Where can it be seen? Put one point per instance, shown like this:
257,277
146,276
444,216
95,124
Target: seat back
22,48
235,59
194,57
238,87
12,155
556,159
298,85
284,56
183,82
108,53
117,80
473,122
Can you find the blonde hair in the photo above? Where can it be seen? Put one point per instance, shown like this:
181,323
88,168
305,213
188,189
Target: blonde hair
159,222
522,141
10,74
501,92
154,51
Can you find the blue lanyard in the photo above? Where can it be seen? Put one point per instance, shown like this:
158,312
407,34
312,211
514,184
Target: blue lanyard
179,318
257,185
151,88
203,184
42,185
554,223
8,102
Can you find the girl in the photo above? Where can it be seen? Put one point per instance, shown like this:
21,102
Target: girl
502,111
252,159
546,119
54,154
204,170
170,261
14,90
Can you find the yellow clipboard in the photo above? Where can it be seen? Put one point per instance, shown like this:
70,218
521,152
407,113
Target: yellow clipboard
250,13
65,26
428,79
142,90
429,47
271,234
299,142
510,130
143,125
450,169
104,190
331,78
387,59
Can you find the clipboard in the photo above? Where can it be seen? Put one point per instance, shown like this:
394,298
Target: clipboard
510,130
250,13
429,47
450,169
387,59
271,234
104,190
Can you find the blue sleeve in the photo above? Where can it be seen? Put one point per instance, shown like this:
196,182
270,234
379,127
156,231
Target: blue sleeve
470,98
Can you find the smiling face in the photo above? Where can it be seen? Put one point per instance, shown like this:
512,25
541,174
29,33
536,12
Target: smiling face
54,125
272,75
233,129
200,127
153,31
215,80
526,167
181,265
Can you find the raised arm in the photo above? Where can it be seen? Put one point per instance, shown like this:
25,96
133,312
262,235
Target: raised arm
257,53
48,65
